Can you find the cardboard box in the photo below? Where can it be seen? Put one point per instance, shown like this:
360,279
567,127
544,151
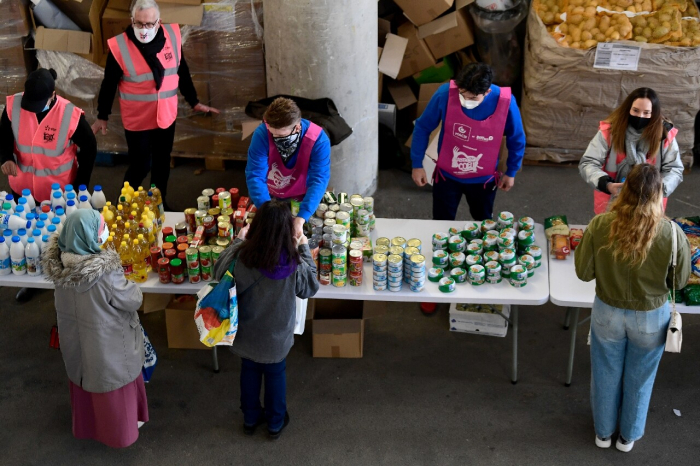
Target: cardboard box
179,322
423,11
484,322
447,34
402,94
387,115
426,93
439,73
383,28
392,56
417,56
153,302
338,326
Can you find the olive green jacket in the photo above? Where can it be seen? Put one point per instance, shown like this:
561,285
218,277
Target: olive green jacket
618,284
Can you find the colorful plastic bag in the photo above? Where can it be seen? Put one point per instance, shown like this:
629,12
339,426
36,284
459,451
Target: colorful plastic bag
149,364
216,314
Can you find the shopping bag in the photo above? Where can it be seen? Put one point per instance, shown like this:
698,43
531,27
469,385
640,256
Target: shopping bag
300,321
216,314
149,364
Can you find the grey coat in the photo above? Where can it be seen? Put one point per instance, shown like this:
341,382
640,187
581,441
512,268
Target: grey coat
99,328
267,309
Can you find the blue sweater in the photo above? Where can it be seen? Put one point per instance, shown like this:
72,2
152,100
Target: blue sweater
436,111
316,181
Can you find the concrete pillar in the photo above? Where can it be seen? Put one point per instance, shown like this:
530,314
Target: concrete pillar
328,48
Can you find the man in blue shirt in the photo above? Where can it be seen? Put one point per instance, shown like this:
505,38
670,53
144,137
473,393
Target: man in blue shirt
475,115
289,158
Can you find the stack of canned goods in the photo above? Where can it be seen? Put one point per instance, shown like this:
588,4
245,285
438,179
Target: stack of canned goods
339,271
395,272
417,267
380,272
486,252
325,266
355,267
354,212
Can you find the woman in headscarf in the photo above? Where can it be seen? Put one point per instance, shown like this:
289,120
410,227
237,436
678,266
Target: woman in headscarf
101,337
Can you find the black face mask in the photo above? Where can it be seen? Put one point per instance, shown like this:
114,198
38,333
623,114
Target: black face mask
287,145
638,123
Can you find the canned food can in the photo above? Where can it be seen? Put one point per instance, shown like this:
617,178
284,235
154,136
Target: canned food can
355,256
381,250
471,231
505,241
488,225
330,215
379,259
203,203
321,210
164,270
343,218
505,271
526,238
474,248
507,257
209,225
536,253
379,287
339,255
394,280
224,200
330,198
440,240
528,262
456,244
518,273
206,273
199,217
395,274
324,278
493,279
473,259
355,281
190,219
396,250
194,275
208,192
214,212
491,256
205,256
505,220
527,224
229,213
222,242
477,275
454,232
446,285
340,234
215,253
435,274
417,260
339,281
180,229
410,251
368,203
510,232
415,243
417,288
399,241
395,289
346,207
380,276
192,255
458,274
457,259
417,279
490,242
440,258
383,242
224,229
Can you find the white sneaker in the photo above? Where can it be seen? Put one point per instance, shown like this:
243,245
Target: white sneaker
624,445
141,424
602,442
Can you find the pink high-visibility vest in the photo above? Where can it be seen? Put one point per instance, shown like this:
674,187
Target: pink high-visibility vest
44,152
142,106
286,183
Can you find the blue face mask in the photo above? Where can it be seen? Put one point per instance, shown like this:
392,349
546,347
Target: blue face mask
48,105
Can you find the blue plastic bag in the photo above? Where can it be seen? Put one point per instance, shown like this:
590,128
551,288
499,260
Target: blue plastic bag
149,363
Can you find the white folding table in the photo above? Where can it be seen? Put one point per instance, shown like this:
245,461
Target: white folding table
565,289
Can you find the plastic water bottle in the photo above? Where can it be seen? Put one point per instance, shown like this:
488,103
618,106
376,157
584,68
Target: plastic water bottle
19,210
57,201
12,222
45,243
83,191
51,229
98,199
70,207
22,233
61,214
84,203
68,189
5,265
56,188
31,202
32,254
9,198
19,263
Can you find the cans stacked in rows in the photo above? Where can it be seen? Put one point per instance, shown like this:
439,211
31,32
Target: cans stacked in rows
355,267
339,271
395,272
325,266
354,211
380,272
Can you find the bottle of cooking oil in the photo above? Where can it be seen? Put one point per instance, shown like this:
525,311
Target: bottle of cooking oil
127,259
148,226
108,216
124,202
145,251
148,210
118,229
158,200
140,267
109,244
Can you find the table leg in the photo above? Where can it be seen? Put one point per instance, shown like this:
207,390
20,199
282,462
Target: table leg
572,348
567,318
514,320
215,358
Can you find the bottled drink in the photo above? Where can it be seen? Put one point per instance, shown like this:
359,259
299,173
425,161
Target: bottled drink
8,234
31,220
5,265
9,198
83,191
140,273
32,255
148,225
19,210
7,207
127,229
37,234
159,202
61,214
127,260
12,222
19,263
108,216
124,203
84,203
109,244
70,207
57,201
46,209
71,197
56,224
98,199
31,202
56,188
136,210
22,233
51,229
44,243
129,191
68,189
145,250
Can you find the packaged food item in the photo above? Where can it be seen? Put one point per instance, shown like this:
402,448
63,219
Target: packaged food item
435,274
557,225
493,272
458,274
477,275
518,276
456,243
575,237
446,285
560,246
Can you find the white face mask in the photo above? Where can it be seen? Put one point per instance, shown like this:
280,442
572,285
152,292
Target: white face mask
104,235
145,35
468,104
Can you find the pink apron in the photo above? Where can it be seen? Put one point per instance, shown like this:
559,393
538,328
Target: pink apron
286,183
470,148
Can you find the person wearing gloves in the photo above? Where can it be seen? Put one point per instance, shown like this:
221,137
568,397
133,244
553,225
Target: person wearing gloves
273,267
102,343
44,139
146,64
289,158
628,252
475,116
636,132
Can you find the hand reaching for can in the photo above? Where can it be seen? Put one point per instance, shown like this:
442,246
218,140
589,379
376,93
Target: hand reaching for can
244,231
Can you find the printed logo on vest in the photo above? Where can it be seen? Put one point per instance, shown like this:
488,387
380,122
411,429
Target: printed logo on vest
279,181
461,131
465,163
48,137
484,139
168,56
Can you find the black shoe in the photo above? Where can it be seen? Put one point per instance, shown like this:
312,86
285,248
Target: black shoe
250,430
24,295
275,435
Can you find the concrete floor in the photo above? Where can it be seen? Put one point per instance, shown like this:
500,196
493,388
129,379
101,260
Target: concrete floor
421,395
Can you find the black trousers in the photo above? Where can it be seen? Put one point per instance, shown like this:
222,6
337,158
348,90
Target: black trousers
447,193
150,150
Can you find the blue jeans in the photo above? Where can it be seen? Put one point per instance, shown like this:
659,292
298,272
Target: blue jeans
275,392
626,347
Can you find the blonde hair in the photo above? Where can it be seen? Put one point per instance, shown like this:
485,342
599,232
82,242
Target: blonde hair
639,212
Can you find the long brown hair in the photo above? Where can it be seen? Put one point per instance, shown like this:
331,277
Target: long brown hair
639,212
270,234
619,120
